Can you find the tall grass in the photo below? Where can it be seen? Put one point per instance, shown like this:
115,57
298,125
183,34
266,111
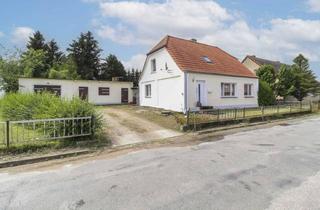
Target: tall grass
28,106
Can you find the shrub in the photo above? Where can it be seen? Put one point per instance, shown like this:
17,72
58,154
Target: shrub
20,106
265,96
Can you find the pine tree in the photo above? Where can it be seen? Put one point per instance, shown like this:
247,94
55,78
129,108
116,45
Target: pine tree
305,81
86,54
137,77
113,68
36,42
54,55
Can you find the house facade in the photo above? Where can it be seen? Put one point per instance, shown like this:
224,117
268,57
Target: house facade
181,74
253,63
96,92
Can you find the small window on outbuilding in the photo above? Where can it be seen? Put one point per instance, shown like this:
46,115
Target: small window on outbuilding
206,59
104,91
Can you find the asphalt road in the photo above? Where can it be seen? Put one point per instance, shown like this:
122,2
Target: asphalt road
274,168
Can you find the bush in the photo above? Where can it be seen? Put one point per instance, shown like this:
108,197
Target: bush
18,106
265,96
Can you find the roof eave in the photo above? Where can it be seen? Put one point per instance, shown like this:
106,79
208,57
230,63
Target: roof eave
220,74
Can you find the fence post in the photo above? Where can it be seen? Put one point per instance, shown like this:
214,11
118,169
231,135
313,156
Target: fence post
244,112
278,108
290,108
92,125
262,112
194,122
310,106
300,106
8,133
188,117
318,105
218,115
235,113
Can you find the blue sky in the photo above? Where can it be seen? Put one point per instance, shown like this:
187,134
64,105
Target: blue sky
271,29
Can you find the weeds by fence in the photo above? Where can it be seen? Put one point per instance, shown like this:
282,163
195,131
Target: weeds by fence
24,131
196,119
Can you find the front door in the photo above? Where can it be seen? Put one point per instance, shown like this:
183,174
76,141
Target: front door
83,93
201,93
124,95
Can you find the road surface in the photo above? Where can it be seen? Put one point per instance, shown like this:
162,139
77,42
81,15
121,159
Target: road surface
273,168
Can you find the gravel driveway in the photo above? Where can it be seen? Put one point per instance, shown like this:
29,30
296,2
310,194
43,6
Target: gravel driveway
126,128
273,168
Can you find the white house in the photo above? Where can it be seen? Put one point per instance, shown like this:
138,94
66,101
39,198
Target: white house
181,74
97,92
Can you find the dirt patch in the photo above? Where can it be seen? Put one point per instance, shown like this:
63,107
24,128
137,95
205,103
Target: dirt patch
133,126
125,125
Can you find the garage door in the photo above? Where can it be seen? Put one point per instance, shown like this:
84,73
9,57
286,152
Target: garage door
170,96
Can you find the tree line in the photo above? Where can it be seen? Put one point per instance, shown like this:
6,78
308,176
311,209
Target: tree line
296,80
82,60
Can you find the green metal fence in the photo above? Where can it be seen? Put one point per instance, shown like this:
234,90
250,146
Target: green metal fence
197,118
26,131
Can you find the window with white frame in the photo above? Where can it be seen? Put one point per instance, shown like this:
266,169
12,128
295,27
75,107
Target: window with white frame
153,65
148,91
228,89
248,90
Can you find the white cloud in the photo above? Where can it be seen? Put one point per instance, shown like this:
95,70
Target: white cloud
136,62
314,5
1,34
118,34
282,40
145,23
20,35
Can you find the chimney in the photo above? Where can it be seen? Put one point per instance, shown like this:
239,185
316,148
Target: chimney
115,79
194,40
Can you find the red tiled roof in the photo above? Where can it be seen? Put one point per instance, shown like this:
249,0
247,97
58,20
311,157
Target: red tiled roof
188,55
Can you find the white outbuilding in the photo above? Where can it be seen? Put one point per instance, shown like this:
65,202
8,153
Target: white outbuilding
96,92
181,74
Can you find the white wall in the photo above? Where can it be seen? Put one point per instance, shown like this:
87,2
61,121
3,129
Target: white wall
167,86
70,88
213,84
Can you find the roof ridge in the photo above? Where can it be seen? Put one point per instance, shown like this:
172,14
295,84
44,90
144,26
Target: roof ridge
189,40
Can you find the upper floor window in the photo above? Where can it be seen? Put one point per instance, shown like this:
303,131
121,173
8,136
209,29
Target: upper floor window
228,89
153,65
148,91
248,90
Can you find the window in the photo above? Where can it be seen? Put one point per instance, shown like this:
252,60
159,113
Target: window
228,89
148,91
55,89
104,91
153,65
206,59
248,90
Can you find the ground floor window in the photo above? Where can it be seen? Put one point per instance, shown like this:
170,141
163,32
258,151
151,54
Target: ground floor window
104,91
248,90
228,89
55,89
148,91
